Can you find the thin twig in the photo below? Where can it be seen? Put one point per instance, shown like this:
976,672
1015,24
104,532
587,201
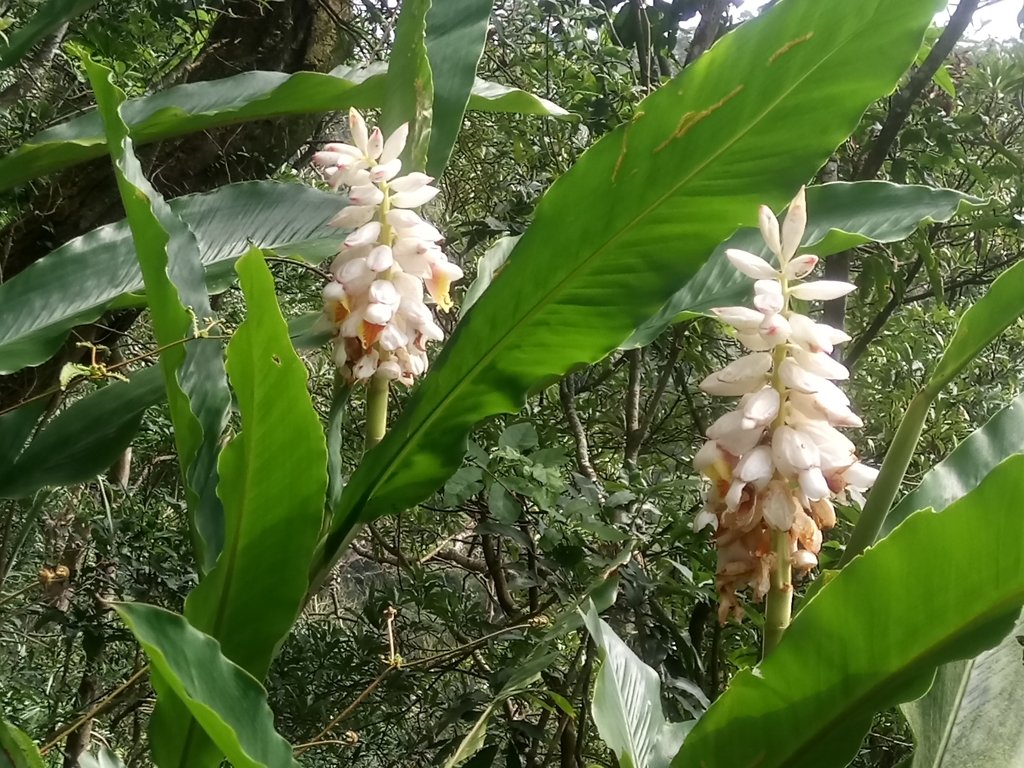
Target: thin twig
99,707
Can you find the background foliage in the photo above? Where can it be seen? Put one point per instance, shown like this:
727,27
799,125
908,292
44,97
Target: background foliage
468,586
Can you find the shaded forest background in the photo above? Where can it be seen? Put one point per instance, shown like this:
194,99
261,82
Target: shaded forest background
461,587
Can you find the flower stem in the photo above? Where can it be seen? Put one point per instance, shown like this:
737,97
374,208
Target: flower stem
890,477
779,606
376,411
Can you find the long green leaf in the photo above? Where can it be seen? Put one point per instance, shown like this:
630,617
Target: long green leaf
194,107
273,483
456,33
971,716
841,215
16,428
168,256
980,325
410,93
17,749
84,439
627,703
863,644
41,305
230,703
968,717
44,22
635,218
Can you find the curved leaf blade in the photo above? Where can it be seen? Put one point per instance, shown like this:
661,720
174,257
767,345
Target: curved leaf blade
841,215
966,718
627,703
988,317
168,257
84,439
230,704
44,22
193,107
733,133
273,480
971,715
41,305
410,94
456,33
17,749
978,327
860,646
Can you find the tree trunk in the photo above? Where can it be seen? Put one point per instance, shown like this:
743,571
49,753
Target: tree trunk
285,35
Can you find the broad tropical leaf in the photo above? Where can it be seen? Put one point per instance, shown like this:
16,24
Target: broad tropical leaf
456,33
971,715
169,262
16,427
627,703
410,93
168,255
273,482
841,215
487,268
42,306
967,718
963,470
17,749
738,128
230,703
978,327
194,107
84,439
44,22
860,646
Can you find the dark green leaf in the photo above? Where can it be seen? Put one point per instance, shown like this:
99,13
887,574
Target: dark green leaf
84,439
230,703
17,749
168,254
992,314
967,717
273,483
742,126
861,646
410,93
841,215
44,22
42,306
195,107
456,33
502,505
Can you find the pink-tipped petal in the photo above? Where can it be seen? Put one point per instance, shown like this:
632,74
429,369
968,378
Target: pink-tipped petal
751,265
794,225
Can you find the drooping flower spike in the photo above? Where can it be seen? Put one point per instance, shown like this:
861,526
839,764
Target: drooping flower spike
777,462
374,304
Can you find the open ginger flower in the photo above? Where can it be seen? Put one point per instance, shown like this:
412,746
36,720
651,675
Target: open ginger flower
777,461
375,303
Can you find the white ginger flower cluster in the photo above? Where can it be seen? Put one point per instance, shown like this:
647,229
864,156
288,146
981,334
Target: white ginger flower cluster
374,303
777,461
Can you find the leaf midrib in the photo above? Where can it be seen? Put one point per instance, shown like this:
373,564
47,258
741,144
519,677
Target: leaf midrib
499,344
816,735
